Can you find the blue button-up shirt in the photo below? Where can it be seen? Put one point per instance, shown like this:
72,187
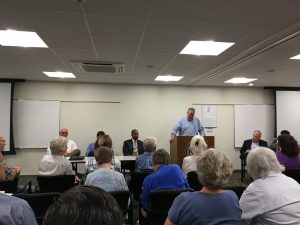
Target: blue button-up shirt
15,211
188,128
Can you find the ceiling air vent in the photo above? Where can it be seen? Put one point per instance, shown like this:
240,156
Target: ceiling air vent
98,66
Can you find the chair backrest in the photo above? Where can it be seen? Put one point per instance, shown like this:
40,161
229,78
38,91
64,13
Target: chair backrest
58,183
122,197
160,201
237,189
159,204
193,180
136,183
39,202
10,186
125,204
293,173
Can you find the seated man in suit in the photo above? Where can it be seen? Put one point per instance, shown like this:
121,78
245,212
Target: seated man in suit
133,145
252,143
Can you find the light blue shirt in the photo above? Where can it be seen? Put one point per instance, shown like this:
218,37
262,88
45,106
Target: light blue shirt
107,179
15,211
188,128
144,161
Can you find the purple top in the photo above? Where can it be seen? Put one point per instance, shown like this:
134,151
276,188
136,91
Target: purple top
288,162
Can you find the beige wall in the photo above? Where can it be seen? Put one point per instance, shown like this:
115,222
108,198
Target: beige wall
153,110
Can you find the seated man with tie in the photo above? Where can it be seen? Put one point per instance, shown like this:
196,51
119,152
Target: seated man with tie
133,145
252,143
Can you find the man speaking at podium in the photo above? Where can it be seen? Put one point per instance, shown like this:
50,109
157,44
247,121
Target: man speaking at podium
187,126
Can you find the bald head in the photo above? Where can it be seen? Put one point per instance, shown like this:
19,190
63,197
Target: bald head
63,132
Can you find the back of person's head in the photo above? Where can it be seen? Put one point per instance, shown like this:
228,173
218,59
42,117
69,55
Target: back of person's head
160,156
214,169
103,155
284,132
84,205
105,141
150,144
198,144
288,145
100,133
57,144
261,161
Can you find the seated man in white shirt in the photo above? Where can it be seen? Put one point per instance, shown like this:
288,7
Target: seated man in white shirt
55,163
72,147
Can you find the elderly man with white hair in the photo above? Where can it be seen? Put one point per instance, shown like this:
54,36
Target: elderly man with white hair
272,198
197,146
56,163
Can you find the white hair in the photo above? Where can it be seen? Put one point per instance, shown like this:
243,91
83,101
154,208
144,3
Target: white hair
198,144
150,144
261,161
214,169
57,144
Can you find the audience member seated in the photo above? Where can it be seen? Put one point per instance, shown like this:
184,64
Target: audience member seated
166,176
72,147
15,211
252,143
289,152
212,205
197,146
272,198
133,146
91,147
8,173
144,161
86,205
105,177
274,142
105,141
55,163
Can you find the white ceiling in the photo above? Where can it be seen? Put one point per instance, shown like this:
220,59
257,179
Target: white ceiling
147,35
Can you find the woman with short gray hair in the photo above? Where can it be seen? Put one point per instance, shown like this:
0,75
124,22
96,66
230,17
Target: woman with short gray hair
144,161
197,146
212,205
272,198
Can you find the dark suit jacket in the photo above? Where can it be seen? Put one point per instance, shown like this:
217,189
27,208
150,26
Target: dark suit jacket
128,147
247,145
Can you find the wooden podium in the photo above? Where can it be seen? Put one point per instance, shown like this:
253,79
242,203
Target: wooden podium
179,145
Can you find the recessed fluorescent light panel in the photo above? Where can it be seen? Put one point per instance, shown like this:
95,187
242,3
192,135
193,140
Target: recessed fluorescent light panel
59,74
296,57
205,47
168,78
240,80
21,39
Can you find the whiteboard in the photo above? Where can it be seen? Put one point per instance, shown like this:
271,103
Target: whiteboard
5,101
248,118
35,122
